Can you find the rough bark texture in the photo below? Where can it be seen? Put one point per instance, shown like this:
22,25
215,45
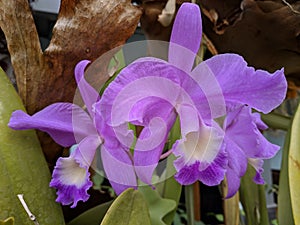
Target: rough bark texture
266,33
153,29
85,29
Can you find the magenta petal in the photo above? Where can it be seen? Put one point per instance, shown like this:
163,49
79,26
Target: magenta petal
56,120
186,36
245,85
88,93
71,176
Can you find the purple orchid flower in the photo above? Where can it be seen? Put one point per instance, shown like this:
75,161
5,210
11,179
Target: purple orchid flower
68,125
151,93
245,144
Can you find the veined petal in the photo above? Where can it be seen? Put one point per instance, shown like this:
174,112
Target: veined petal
211,102
118,168
88,93
245,143
71,176
259,123
237,166
156,116
258,166
56,120
201,155
245,85
242,129
143,79
186,37
213,173
148,108
150,145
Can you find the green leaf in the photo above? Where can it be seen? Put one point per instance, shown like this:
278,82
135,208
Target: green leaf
130,208
294,167
158,207
92,216
170,188
8,221
253,199
23,168
285,213
276,121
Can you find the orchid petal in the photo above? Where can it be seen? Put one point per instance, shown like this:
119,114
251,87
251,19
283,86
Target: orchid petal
242,129
258,166
211,103
233,182
237,166
244,85
118,168
149,147
156,116
143,79
213,173
88,93
201,154
56,120
259,123
71,175
183,48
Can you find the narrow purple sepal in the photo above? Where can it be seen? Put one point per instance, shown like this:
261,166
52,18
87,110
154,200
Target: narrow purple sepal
88,93
56,120
186,37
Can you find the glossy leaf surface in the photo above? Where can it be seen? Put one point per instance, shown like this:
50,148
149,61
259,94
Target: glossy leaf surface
294,167
23,169
129,208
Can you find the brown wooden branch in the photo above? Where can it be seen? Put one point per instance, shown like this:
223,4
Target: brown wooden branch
18,26
85,29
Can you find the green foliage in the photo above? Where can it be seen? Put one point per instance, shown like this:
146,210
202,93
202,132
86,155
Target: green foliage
276,121
285,213
130,208
294,166
92,216
8,221
23,169
253,199
170,188
158,207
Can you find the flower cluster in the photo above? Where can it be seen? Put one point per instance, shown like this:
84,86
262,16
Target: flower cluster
152,93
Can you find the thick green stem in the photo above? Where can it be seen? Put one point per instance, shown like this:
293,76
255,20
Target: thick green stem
189,203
